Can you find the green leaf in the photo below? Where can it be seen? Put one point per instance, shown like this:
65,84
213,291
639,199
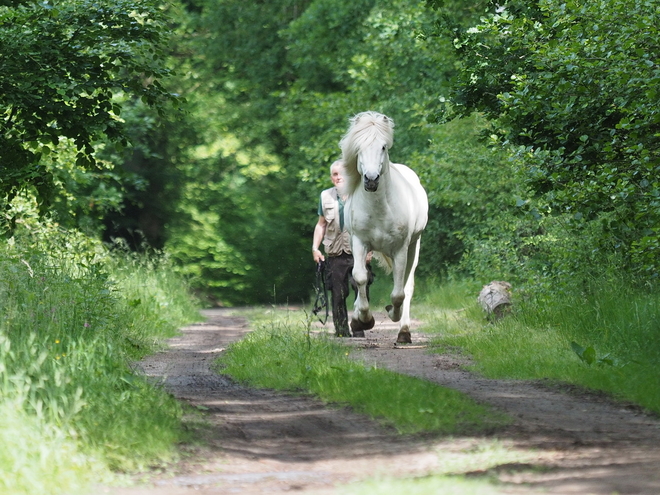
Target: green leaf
578,349
589,355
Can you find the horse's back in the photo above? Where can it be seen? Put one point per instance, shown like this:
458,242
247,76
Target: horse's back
407,172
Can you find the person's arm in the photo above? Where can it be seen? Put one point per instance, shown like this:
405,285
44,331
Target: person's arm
319,234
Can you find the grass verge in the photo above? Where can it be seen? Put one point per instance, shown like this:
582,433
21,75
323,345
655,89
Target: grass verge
445,485
283,355
74,318
600,336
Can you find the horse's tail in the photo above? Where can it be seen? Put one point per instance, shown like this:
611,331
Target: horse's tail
384,261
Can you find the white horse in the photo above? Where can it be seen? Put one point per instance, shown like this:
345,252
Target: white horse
385,211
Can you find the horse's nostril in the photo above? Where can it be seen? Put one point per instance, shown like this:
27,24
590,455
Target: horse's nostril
370,185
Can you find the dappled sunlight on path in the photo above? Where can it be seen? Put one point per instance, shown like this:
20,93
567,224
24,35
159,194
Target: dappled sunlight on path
562,441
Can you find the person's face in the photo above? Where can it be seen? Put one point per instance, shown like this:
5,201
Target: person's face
335,175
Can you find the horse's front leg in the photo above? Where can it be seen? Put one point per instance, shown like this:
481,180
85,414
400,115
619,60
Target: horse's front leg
413,258
362,318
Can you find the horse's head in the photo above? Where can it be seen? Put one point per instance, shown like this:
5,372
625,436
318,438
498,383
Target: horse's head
372,162
365,150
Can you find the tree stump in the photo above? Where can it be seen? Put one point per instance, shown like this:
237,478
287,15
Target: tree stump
495,299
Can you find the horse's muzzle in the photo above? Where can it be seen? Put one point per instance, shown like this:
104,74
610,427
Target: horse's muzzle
371,185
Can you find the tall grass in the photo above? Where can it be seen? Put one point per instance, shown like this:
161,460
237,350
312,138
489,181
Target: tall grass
38,457
283,355
74,317
601,336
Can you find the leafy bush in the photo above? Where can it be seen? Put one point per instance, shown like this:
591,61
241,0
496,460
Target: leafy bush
570,89
80,58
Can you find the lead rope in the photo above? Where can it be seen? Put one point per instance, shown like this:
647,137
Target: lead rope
321,293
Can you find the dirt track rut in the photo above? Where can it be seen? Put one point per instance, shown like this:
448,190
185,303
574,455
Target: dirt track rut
259,441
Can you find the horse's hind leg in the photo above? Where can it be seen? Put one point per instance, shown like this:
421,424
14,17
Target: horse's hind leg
404,336
394,310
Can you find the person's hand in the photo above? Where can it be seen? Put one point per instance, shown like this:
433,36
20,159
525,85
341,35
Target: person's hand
318,256
370,255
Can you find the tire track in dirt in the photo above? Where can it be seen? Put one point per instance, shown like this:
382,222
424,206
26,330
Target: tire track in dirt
595,445
260,441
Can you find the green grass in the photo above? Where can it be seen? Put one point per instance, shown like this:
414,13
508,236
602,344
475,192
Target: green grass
616,325
473,469
282,355
74,317
469,466
428,485
37,457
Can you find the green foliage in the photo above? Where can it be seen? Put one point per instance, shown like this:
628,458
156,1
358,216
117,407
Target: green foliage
82,196
570,88
541,339
321,42
269,90
471,197
285,356
236,233
74,318
588,355
56,466
270,103
150,173
62,65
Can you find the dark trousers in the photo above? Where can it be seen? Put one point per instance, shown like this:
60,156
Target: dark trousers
339,280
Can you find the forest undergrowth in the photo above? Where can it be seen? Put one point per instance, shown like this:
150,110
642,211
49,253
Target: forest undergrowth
75,315
598,335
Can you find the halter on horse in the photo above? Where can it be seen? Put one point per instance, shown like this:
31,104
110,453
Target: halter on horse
386,211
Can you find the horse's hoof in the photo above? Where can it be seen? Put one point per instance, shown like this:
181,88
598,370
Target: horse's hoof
390,312
404,338
361,326
358,334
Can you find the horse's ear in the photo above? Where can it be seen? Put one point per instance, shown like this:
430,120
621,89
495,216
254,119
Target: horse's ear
388,122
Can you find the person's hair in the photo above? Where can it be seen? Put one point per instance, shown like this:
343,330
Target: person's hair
336,163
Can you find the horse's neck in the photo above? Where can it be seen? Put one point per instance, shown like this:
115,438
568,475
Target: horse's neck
386,181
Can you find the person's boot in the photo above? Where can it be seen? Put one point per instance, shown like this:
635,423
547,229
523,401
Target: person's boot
342,333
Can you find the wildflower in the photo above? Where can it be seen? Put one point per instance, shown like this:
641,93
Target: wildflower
57,341
86,325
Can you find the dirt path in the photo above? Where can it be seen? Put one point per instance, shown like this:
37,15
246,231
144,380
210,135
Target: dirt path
258,441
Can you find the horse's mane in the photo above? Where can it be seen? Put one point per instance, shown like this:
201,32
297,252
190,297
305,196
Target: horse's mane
364,128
